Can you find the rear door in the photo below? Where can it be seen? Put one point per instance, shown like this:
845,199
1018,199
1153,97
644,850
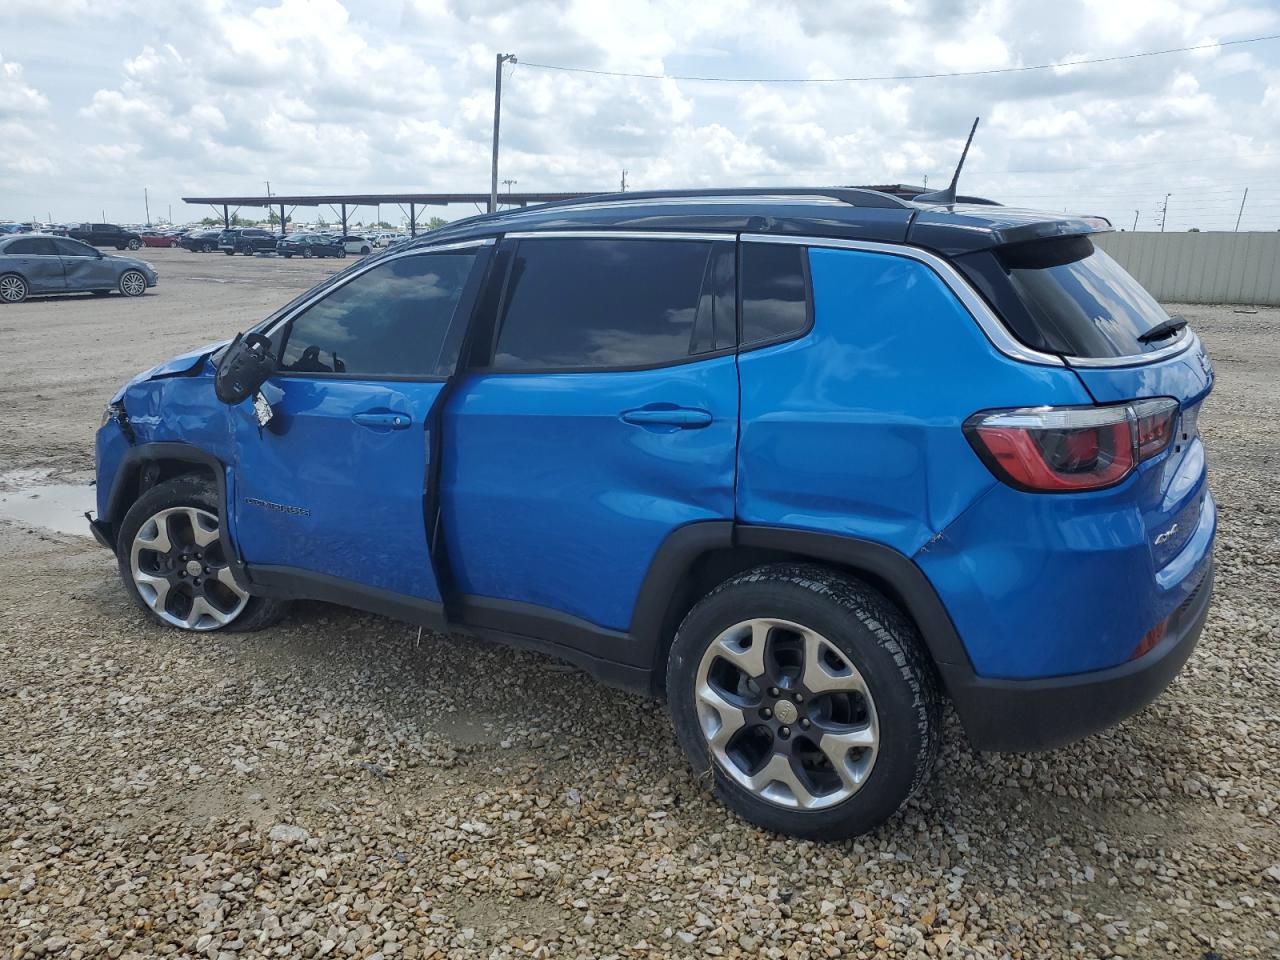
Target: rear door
335,485
37,259
603,416
84,267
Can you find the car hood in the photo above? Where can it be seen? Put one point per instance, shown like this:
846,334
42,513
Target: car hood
133,262
184,363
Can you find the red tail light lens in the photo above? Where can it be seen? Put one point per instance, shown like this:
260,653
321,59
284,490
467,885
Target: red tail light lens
1065,449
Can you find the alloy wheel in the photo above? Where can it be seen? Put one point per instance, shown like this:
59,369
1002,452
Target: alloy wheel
133,284
786,714
13,289
181,572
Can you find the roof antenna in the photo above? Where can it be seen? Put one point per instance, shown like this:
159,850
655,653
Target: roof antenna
948,196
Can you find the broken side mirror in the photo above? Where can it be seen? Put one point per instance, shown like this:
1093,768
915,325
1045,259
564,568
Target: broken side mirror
244,368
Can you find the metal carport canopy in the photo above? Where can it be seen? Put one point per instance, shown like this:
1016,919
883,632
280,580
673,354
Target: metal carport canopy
373,199
343,200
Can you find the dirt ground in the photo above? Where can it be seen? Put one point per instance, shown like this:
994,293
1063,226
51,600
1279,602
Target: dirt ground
338,786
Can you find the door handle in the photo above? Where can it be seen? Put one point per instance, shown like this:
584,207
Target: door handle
668,415
382,420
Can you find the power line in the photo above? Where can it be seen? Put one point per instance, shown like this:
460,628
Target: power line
904,76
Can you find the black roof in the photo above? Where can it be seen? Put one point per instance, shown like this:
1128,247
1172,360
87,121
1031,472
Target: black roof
838,212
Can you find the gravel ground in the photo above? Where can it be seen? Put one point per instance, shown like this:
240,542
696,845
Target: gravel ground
337,786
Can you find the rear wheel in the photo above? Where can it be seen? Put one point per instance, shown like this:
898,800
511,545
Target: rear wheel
13,288
364,251
134,244
133,283
174,563
807,697
206,247
306,252
172,244
342,253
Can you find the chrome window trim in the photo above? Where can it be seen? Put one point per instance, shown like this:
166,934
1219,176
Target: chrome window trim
1183,342
373,264
619,235
987,321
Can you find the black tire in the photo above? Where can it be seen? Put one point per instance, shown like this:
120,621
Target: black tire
132,283
134,244
364,251
173,244
206,247
342,253
197,492
13,288
307,253
875,638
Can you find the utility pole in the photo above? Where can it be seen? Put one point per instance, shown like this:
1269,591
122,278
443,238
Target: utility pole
1164,211
1135,219
1241,213
624,180
268,183
146,203
500,59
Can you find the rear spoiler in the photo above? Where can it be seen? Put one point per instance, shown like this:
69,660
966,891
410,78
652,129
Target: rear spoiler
962,229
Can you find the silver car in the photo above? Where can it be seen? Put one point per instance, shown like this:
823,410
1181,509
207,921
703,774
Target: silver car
33,264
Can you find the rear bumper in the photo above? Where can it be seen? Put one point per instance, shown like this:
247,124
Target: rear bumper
1040,714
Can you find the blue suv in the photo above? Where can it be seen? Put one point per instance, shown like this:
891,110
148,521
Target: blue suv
803,462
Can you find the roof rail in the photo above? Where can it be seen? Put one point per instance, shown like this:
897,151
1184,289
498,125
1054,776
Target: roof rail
854,196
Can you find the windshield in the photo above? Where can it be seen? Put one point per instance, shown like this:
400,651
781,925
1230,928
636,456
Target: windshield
1065,295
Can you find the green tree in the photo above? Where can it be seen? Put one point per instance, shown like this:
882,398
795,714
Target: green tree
435,223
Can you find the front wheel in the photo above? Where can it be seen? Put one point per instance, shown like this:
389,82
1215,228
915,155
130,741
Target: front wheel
134,244
342,253
207,248
133,283
175,564
173,244
306,252
13,289
808,698
364,251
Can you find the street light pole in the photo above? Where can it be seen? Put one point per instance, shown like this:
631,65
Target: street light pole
1164,211
500,59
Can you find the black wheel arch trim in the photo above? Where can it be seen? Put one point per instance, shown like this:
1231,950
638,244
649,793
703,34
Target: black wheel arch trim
131,473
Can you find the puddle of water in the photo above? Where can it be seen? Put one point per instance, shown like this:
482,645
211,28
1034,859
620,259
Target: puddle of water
55,506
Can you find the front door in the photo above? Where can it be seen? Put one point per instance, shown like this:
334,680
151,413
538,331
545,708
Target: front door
335,484
605,417
85,267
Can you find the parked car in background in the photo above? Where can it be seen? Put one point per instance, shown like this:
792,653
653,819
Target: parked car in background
35,263
356,244
14,228
106,235
384,239
160,239
247,240
309,245
398,238
201,241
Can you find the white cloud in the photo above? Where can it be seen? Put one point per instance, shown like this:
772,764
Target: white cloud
321,95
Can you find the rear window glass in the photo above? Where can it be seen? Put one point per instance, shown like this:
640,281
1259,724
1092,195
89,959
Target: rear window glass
1066,295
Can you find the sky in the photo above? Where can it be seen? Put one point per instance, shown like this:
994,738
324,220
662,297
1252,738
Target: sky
201,97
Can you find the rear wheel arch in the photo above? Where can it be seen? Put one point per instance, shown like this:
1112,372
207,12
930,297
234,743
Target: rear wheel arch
697,558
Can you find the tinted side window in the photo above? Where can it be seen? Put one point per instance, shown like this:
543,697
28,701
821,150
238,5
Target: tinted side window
390,321
73,248
775,291
598,303
35,247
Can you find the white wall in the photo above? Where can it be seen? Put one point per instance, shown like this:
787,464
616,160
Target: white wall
1201,267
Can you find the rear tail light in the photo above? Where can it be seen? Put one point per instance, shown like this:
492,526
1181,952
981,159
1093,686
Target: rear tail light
1065,449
